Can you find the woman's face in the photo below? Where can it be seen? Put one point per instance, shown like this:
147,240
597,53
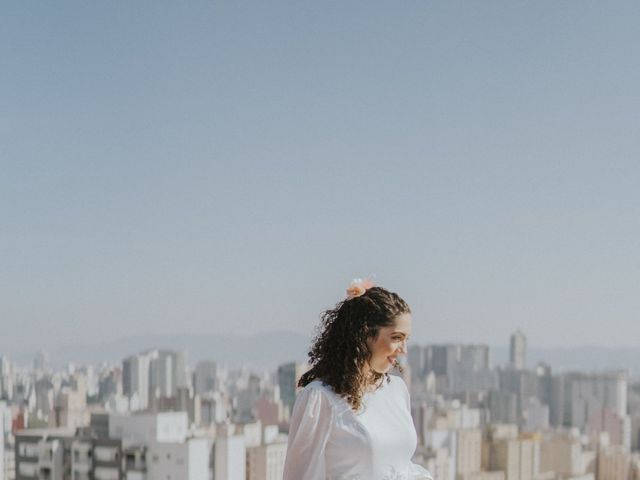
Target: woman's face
390,342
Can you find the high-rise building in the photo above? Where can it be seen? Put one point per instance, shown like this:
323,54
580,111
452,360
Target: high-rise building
205,377
518,351
635,431
617,428
44,398
288,376
168,373
614,463
115,447
417,361
135,379
562,454
460,368
442,446
503,407
523,384
422,413
144,428
266,462
70,408
587,394
110,384
536,416
475,357
215,407
545,383
41,453
558,410
441,359
153,374
41,362
472,371
2,410
518,458
96,458
469,454
483,476
269,408
6,378
229,457
246,399
188,460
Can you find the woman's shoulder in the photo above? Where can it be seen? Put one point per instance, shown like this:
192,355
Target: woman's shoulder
397,381
316,396
319,386
398,385
398,390
320,390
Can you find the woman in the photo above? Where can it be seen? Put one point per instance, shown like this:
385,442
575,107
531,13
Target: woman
352,420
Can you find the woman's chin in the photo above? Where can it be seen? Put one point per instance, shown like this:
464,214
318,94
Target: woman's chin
383,369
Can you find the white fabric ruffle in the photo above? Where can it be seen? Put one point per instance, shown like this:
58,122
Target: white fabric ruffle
418,472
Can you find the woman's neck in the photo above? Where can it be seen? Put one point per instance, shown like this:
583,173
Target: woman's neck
373,381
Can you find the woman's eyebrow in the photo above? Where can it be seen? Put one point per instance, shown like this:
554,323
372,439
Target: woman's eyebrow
401,333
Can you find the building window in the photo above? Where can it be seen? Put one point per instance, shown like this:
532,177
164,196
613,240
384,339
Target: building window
30,449
27,469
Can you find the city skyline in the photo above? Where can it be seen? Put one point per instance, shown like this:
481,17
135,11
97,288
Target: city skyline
152,415
217,168
268,350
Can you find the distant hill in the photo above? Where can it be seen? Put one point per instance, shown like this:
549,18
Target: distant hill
257,351
588,358
267,350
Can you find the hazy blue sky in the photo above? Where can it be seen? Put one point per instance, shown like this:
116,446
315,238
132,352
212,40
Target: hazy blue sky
229,166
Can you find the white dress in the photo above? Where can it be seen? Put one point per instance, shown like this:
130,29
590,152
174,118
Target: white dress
329,441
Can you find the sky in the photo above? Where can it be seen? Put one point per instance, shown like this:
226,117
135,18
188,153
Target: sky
229,166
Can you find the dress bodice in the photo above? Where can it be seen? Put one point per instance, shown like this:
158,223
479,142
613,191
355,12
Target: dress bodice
330,441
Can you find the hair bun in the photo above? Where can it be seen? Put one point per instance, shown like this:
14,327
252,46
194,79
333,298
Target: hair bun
358,287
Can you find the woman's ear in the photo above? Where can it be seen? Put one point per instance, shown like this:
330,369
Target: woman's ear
371,339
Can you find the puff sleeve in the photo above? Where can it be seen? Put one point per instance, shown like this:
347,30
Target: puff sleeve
417,472
311,422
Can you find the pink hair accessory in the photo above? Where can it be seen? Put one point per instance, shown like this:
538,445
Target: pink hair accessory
358,286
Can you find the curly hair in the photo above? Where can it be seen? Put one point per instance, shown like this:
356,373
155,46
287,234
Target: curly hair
339,352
